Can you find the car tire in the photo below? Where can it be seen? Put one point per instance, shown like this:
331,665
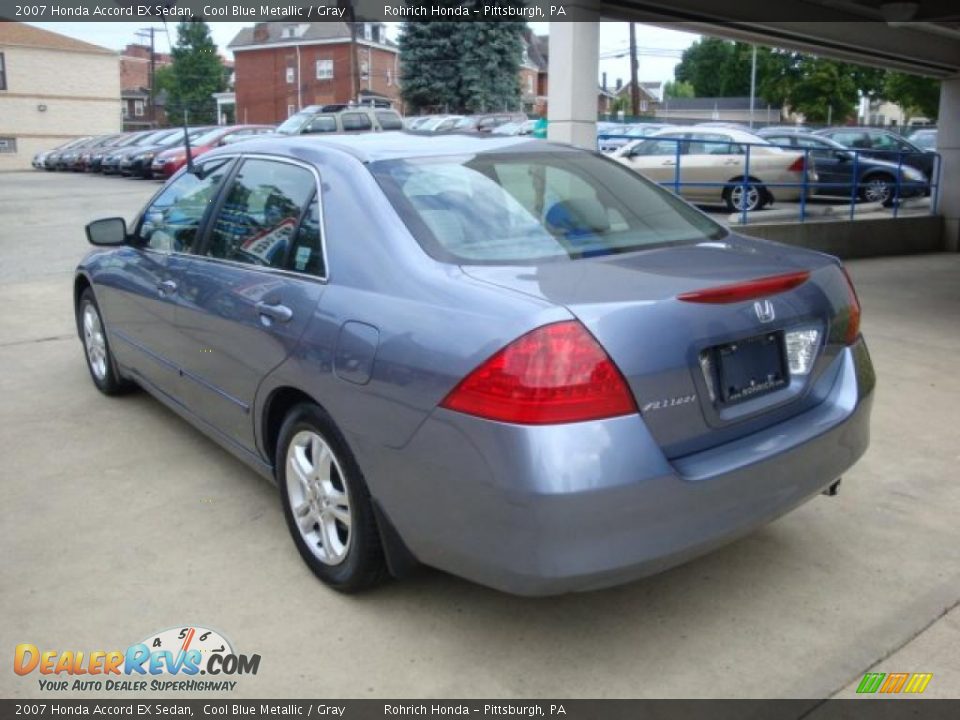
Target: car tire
96,348
756,194
326,502
878,188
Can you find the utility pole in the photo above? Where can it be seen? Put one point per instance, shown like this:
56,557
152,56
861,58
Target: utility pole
143,32
634,86
753,82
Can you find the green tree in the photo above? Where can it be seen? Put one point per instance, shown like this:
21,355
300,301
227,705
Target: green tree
678,89
194,75
462,67
700,66
716,68
826,92
916,95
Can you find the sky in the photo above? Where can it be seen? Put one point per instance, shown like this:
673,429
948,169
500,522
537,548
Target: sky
658,48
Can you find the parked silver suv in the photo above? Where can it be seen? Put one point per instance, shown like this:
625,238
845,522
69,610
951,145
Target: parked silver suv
339,119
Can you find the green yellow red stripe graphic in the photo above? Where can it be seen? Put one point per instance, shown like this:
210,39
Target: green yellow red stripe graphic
892,683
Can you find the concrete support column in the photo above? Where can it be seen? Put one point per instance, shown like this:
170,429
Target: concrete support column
948,145
573,88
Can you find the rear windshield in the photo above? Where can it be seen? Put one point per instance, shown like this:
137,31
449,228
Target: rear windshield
512,208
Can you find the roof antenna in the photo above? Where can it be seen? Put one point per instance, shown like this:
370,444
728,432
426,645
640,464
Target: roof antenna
186,132
186,141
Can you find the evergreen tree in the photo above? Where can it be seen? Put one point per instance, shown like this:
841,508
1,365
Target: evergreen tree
462,66
194,75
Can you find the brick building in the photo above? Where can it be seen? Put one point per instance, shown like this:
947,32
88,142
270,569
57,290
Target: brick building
283,67
52,88
135,86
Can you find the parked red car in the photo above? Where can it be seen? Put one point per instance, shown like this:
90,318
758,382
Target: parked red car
169,161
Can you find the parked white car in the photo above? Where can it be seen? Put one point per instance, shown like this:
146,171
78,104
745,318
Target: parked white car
712,166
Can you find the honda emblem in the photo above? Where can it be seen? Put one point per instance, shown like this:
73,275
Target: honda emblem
764,310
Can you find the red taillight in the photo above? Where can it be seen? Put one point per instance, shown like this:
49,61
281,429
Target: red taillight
853,310
554,374
748,290
798,165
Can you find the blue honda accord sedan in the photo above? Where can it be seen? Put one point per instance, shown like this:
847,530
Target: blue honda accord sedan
516,361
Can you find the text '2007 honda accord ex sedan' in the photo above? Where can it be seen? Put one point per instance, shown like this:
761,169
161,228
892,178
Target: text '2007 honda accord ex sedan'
516,361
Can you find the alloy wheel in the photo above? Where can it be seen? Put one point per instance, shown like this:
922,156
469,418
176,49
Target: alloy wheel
877,190
94,342
752,197
319,497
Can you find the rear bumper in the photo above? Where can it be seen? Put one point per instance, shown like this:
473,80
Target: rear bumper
545,510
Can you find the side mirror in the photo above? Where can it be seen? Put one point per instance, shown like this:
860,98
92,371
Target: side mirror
841,155
107,232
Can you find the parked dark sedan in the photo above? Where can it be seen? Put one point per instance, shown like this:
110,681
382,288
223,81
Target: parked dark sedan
517,361
66,160
883,144
112,161
139,162
95,161
85,161
47,160
76,160
877,179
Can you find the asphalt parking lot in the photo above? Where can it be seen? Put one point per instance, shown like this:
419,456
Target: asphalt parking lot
118,520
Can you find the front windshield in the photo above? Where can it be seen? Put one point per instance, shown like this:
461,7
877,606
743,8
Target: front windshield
926,141
508,208
293,124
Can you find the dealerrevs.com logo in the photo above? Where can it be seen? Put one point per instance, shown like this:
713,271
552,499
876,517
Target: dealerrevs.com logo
170,660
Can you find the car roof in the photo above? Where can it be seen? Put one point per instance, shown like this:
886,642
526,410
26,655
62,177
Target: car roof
734,134
397,145
828,141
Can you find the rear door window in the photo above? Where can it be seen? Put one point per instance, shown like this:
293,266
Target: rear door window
356,121
852,139
258,221
389,120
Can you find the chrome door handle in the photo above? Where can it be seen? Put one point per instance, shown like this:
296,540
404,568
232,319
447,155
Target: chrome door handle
731,162
280,313
669,162
167,287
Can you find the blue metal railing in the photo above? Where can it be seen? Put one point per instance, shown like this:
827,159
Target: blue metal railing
809,182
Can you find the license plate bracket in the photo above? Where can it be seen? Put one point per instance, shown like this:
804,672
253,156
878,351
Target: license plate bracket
751,367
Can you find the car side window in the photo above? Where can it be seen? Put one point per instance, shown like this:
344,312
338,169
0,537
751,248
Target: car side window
307,252
882,141
783,141
172,221
323,124
389,120
261,211
715,144
817,149
852,139
356,121
655,148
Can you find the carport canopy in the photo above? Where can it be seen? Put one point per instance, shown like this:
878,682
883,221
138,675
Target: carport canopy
920,37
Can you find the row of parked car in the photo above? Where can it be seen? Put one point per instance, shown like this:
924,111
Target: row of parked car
160,153
494,123
144,153
708,162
